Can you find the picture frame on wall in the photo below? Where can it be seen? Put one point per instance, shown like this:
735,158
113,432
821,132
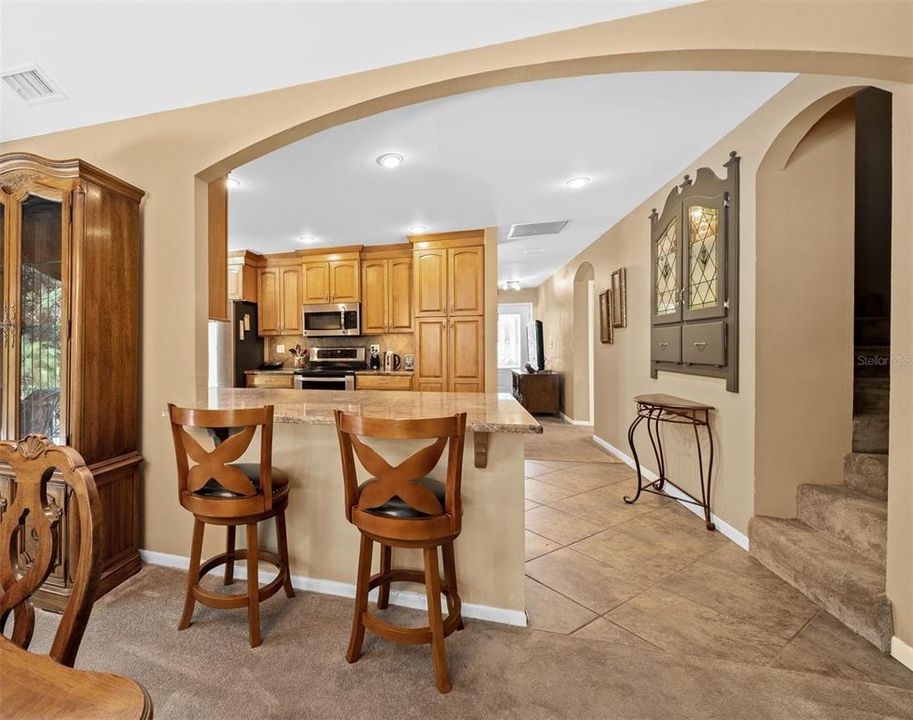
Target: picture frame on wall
619,304
606,333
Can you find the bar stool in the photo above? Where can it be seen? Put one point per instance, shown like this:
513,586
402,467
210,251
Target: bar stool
402,507
220,491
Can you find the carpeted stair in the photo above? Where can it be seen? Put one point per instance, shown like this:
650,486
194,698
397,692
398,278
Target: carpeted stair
834,550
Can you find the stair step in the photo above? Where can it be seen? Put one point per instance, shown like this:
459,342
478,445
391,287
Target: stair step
846,515
875,330
867,473
872,360
870,433
871,394
848,585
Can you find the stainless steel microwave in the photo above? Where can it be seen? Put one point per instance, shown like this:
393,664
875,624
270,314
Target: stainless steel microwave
331,320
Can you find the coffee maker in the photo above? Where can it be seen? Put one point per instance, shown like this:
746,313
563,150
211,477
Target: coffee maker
374,359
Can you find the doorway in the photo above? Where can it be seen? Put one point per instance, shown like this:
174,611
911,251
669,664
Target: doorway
513,344
579,398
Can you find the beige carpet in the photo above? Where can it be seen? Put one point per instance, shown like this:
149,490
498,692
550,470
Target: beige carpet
208,670
562,441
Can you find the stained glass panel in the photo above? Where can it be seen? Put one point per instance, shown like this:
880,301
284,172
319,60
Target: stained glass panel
703,273
666,271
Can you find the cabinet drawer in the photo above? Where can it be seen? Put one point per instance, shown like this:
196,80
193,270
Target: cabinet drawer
667,344
704,344
270,380
383,382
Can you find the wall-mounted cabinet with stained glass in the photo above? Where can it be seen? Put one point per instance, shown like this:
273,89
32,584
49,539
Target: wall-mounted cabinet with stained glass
694,259
69,333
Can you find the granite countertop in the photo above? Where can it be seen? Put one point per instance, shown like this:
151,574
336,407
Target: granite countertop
385,372
282,371
485,412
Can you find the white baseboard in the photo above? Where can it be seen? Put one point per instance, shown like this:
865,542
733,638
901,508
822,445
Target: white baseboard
902,652
574,422
724,528
403,598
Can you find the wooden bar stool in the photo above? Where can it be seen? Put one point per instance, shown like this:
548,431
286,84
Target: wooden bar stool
220,491
402,507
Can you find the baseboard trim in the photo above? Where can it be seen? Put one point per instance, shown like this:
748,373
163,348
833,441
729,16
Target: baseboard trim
902,652
724,528
403,598
571,421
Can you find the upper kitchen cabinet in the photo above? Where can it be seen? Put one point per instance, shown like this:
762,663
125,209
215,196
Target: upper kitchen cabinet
465,281
279,300
345,281
334,278
430,281
315,283
243,267
386,290
69,267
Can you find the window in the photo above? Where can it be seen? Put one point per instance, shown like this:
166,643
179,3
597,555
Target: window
510,339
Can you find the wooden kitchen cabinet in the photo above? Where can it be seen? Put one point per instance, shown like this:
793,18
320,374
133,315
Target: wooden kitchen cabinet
383,382
269,303
290,300
279,295
270,380
465,281
386,295
345,281
431,365
243,275
466,354
316,283
430,281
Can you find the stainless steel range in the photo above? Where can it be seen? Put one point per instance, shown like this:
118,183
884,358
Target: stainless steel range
331,369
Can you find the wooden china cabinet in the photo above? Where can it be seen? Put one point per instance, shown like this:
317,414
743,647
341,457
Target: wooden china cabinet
69,353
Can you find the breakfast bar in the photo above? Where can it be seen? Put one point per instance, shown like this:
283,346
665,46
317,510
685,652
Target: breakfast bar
323,546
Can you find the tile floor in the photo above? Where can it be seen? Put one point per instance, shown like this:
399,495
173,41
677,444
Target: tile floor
649,575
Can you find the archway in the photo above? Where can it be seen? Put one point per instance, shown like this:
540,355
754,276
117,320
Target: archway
579,397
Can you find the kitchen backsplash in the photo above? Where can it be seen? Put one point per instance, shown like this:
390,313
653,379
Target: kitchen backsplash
401,344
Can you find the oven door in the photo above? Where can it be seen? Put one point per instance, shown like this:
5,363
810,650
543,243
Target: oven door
331,320
312,382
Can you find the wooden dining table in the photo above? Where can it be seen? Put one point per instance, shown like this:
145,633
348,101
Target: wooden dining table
35,687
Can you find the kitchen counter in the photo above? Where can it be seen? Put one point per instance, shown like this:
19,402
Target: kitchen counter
283,371
485,412
408,373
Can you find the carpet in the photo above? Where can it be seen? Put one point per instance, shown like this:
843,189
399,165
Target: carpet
209,671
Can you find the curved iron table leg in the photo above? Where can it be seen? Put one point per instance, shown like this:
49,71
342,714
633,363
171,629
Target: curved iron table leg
637,421
710,524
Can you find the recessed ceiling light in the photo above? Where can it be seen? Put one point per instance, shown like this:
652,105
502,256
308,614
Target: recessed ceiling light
390,160
307,239
578,182
231,182
417,229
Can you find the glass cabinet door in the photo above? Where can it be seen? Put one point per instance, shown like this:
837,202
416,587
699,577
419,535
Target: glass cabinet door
704,271
666,274
40,314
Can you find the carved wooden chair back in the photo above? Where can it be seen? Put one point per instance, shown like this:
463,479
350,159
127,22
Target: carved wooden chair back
214,468
27,561
401,481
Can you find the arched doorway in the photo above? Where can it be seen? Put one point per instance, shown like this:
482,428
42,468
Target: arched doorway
581,394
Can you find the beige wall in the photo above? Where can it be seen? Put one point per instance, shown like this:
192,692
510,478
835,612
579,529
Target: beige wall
170,154
804,335
523,295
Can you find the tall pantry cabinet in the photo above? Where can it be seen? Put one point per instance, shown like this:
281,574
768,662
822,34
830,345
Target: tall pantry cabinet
69,355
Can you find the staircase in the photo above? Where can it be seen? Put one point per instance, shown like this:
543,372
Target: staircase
834,550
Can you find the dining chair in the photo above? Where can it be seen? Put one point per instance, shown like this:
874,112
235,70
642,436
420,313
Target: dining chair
402,507
218,490
30,527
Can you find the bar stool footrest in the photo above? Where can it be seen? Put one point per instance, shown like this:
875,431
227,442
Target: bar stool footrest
237,600
411,635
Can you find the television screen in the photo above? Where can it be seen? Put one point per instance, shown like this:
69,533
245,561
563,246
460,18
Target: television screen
536,349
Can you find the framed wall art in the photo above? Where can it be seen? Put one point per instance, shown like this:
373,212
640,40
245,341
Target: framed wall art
619,298
606,332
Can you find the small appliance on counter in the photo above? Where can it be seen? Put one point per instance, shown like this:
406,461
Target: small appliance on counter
391,361
374,358
331,369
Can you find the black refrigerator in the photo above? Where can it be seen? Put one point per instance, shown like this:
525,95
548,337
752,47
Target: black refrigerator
234,346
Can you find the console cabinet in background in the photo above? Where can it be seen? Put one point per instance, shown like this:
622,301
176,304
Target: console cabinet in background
70,266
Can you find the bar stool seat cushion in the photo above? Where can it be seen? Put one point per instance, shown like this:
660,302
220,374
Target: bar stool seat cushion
396,508
213,489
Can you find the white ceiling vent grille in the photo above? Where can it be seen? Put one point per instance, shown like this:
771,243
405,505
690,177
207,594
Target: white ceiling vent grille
32,84
532,229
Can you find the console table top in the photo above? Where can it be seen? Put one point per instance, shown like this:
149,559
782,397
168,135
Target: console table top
670,402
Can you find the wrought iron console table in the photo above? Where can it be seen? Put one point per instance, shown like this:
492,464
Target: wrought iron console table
658,409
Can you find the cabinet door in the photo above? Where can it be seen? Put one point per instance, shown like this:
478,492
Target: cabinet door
374,301
316,282
344,281
666,271
268,307
235,281
429,274
704,257
465,281
431,354
399,298
39,302
466,354
290,293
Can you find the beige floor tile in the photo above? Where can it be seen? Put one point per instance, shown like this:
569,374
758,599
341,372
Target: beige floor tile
590,583
542,493
558,526
678,624
826,646
529,504
607,631
534,468
605,506
574,481
537,545
732,582
551,611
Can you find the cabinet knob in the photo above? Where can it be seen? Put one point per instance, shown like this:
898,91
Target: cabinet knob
700,345
663,345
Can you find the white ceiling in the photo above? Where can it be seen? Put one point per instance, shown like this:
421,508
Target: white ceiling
122,59
494,158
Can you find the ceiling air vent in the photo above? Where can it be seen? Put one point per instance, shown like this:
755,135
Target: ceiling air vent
32,84
531,229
